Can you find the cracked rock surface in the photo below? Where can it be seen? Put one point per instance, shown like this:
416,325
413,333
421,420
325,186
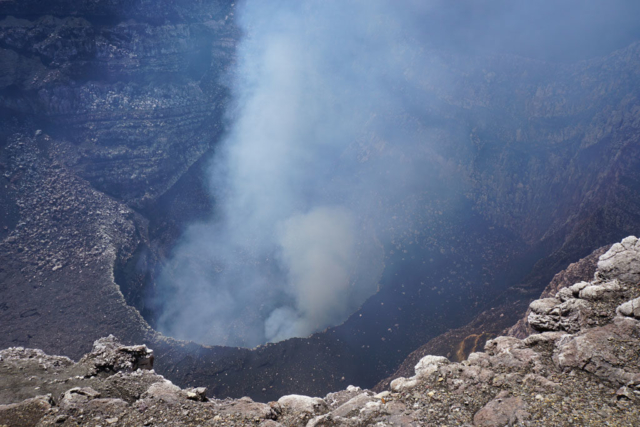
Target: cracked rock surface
580,367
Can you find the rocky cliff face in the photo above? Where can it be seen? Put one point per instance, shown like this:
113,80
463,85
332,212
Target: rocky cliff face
109,110
578,367
137,96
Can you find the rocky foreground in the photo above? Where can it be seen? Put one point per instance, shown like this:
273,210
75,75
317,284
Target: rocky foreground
581,367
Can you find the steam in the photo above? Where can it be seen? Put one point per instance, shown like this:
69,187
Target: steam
291,250
319,248
326,148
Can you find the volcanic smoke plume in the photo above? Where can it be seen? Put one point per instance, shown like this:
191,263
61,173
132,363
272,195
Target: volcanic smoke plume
292,248
324,135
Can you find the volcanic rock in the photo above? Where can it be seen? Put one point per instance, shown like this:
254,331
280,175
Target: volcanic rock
587,377
111,110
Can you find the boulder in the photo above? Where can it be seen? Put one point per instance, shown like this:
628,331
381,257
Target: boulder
609,352
501,412
600,291
27,413
306,404
622,261
630,308
429,364
108,354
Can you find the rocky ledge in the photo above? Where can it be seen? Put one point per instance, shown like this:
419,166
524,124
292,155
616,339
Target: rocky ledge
579,367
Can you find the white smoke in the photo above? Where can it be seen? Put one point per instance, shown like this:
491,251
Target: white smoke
290,251
330,137
319,250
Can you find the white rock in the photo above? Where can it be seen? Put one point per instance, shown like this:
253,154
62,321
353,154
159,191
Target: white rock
630,308
502,345
596,292
353,405
403,383
429,364
382,395
477,358
629,242
318,421
543,305
370,408
565,294
575,289
543,338
299,403
622,261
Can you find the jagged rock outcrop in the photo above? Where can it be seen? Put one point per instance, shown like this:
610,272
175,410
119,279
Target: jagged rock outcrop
578,271
592,303
576,370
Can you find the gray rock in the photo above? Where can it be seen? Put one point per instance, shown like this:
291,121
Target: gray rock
501,345
338,398
198,394
105,406
327,420
543,338
108,354
600,291
402,383
26,413
477,358
306,404
166,392
570,315
429,364
579,371
77,397
476,374
625,391
249,409
501,412
544,306
630,308
353,406
541,382
622,261
597,351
